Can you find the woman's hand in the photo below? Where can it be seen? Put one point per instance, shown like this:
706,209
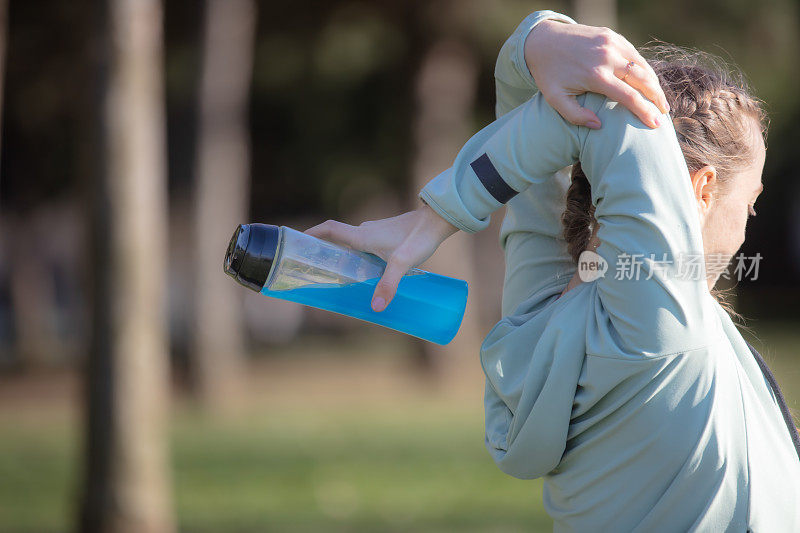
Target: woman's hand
404,242
566,60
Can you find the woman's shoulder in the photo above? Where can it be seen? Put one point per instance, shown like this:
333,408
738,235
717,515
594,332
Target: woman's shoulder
620,331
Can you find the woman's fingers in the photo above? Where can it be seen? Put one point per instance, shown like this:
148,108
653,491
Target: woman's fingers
569,108
621,92
654,92
642,79
396,267
403,241
333,230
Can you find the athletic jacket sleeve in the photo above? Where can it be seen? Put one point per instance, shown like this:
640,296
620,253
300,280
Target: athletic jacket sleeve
514,85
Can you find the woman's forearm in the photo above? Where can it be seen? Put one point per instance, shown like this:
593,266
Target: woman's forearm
525,146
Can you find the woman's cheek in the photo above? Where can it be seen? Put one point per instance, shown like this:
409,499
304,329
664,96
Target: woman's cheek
737,232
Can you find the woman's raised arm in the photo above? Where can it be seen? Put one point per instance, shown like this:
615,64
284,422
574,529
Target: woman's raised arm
525,146
654,293
569,59
654,288
555,52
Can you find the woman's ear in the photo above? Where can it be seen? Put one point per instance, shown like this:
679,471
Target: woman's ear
704,184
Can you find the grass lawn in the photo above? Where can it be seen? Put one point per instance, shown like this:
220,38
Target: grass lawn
407,469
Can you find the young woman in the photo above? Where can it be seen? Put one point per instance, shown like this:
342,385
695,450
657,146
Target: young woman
634,396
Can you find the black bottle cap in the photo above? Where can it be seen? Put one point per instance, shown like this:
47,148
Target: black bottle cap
250,254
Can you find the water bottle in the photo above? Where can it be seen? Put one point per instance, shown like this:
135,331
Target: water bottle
284,263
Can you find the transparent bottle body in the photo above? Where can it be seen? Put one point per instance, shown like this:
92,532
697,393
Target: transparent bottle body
325,275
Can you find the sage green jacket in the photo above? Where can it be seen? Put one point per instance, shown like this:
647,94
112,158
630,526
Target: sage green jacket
634,395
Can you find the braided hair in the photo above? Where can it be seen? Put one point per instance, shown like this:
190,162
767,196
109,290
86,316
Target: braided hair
710,105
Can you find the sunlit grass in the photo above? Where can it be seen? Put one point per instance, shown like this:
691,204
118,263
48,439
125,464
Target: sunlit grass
413,468
417,470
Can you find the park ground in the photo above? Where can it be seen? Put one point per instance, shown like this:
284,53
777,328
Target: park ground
351,440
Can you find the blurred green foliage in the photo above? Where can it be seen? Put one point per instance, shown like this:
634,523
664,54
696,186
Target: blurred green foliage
332,102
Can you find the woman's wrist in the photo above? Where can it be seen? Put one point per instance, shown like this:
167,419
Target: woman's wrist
441,225
529,41
541,26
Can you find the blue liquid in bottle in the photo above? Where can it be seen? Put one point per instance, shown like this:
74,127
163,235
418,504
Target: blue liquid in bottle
284,263
426,305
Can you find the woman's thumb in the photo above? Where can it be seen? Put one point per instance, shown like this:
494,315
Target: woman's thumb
569,108
387,286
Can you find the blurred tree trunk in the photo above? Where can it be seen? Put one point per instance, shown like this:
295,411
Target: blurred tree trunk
3,42
126,478
445,88
221,195
595,12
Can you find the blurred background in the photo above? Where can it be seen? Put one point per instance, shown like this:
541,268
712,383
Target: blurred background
142,390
